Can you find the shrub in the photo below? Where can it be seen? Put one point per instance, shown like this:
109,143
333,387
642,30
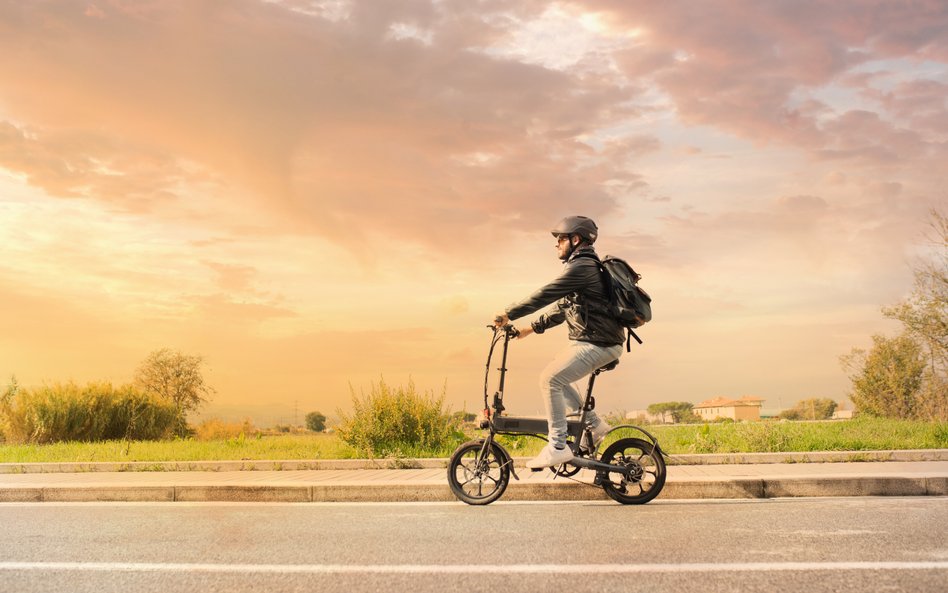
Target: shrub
810,409
398,421
214,429
94,412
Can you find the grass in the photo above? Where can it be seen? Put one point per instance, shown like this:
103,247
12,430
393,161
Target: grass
860,434
288,447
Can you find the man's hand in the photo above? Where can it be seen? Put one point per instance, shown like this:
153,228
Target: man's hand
501,320
524,332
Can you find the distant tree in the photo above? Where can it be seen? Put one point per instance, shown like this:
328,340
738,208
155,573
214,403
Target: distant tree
316,421
176,377
678,411
886,379
811,409
790,414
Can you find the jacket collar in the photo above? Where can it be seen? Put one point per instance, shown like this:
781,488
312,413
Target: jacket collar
580,250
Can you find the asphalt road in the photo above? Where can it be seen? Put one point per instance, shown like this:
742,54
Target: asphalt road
828,544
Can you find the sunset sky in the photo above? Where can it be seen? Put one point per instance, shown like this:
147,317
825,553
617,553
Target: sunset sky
316,194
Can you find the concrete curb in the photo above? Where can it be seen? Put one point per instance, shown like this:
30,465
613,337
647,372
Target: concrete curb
435,463
543,491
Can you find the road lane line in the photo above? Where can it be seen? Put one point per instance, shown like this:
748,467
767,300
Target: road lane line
467,569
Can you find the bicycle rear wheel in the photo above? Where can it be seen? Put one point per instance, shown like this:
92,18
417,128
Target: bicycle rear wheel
646,471
477,473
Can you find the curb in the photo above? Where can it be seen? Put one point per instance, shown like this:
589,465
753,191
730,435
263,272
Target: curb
674,490
437,463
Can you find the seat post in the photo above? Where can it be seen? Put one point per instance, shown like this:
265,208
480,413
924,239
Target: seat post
590,403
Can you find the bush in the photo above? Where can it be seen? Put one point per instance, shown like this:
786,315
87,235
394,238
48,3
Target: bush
810,409
94,412
398,422
214,429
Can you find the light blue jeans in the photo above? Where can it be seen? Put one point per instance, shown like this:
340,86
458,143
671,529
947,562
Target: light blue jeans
556,384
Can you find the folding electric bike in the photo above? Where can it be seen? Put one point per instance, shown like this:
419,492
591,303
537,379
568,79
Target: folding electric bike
631,470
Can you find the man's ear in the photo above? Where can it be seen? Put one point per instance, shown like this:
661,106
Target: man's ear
575,240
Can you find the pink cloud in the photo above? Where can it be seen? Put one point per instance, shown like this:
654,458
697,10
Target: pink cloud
738,66
336,126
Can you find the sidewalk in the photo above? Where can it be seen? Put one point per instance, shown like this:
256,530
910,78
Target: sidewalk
723,480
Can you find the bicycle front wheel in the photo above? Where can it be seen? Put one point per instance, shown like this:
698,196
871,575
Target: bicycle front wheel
646,471
478,473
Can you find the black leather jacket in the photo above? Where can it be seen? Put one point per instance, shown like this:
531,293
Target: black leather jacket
581,301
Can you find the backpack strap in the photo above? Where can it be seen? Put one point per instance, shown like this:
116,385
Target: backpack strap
628,342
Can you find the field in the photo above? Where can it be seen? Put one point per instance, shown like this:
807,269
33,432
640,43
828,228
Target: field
861,434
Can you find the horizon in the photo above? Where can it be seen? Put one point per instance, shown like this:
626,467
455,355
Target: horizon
316,195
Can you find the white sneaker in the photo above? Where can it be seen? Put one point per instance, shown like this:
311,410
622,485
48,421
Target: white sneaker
550,456
599,433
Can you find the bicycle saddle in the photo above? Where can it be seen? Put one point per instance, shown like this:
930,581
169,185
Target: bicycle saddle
609,366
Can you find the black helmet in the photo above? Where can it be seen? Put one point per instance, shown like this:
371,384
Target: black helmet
577,225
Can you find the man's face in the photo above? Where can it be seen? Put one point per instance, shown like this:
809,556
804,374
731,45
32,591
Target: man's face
562,246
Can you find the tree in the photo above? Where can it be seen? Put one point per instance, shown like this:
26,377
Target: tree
679,411
176,377
811,409
316,421
887,378
925,317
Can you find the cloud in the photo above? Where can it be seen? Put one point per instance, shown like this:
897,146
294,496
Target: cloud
751,67
78,165
336,126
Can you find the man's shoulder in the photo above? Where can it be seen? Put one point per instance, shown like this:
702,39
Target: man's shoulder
583,257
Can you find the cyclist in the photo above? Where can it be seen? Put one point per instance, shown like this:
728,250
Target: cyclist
595,335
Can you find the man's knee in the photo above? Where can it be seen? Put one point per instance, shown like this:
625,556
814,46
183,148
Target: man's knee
552,379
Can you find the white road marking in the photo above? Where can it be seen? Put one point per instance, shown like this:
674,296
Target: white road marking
467,569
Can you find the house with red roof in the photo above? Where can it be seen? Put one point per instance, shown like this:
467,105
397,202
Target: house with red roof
745,408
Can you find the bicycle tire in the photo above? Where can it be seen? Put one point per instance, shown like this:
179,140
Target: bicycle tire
478,476
648,467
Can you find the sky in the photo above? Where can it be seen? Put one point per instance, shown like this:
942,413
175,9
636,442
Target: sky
318,195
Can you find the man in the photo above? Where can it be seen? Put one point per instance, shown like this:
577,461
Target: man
595,335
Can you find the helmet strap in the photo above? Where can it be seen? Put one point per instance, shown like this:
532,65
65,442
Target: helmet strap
572,246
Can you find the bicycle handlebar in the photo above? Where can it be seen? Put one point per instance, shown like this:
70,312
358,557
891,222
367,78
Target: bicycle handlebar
508,328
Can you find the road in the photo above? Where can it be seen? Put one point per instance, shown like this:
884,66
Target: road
822,544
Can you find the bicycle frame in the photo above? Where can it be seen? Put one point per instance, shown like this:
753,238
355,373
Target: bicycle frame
497,423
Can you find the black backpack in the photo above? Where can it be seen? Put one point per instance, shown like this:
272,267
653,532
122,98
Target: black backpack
630,304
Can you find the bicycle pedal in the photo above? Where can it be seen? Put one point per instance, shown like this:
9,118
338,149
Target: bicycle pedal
537,469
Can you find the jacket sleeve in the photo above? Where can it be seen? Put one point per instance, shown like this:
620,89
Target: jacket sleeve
552,319
573,278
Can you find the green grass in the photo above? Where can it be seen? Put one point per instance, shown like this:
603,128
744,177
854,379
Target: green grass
315,446
861,434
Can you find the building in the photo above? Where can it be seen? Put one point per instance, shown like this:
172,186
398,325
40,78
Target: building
746,408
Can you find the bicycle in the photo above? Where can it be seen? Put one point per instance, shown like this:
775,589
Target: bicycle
631,470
